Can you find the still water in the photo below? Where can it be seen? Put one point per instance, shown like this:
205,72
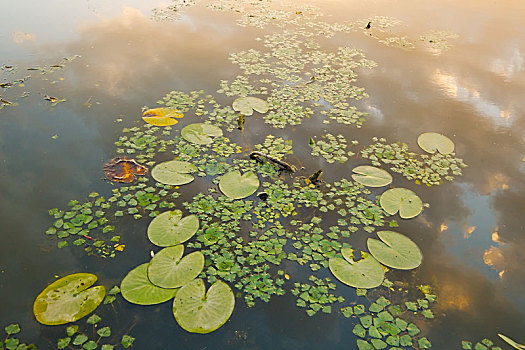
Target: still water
122,57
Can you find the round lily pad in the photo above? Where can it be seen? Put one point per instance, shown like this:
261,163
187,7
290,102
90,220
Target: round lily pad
170,228
365,273
246,105
137,288
161,116
371,176
68,299
396,250
403,200
174,172
237,186
168,270
432,141
200,133
199,312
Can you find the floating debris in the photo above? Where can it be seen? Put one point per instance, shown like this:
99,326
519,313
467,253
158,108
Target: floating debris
123,170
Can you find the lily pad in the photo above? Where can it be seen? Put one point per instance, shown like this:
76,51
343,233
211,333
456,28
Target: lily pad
137,288
237,186
174,172
246,105
396,250
365,273
199,312
200,133
68,299
161,116
403,200
170,228
168,270
432,141
371,176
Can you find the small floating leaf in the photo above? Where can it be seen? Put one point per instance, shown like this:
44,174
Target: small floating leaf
200,133
246,105
395,250
137,288
174,172
431,142
161,116
237,186
511,342
365,273
68,299
199,312
403,200
170,228
371,176
168,270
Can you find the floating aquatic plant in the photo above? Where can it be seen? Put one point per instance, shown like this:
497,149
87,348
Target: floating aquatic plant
364,273
236,185
137,288
68,299
170,228
395,250
401,200
333,149
371,176
123,170
174,172
168,269
246,105
200,133
161,116
316,296
198,311
431,142
430,170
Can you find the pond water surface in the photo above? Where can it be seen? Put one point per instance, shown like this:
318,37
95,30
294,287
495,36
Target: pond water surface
472,235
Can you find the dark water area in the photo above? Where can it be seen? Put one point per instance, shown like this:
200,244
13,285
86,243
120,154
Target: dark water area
472,235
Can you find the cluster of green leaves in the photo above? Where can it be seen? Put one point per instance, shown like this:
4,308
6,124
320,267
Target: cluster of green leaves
484,344
314,246
333,149
316,296
144,142
87,223
423,168
80,221
13,343
350,200
276,147
232,258
91,339
386,324
300,79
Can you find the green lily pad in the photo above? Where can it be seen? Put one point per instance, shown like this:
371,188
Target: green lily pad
432,141
246,105
170,228
396,250
174,172
237,186
371,176
365,273
199,312
168,270
200,133
68,299
137,288
403,200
